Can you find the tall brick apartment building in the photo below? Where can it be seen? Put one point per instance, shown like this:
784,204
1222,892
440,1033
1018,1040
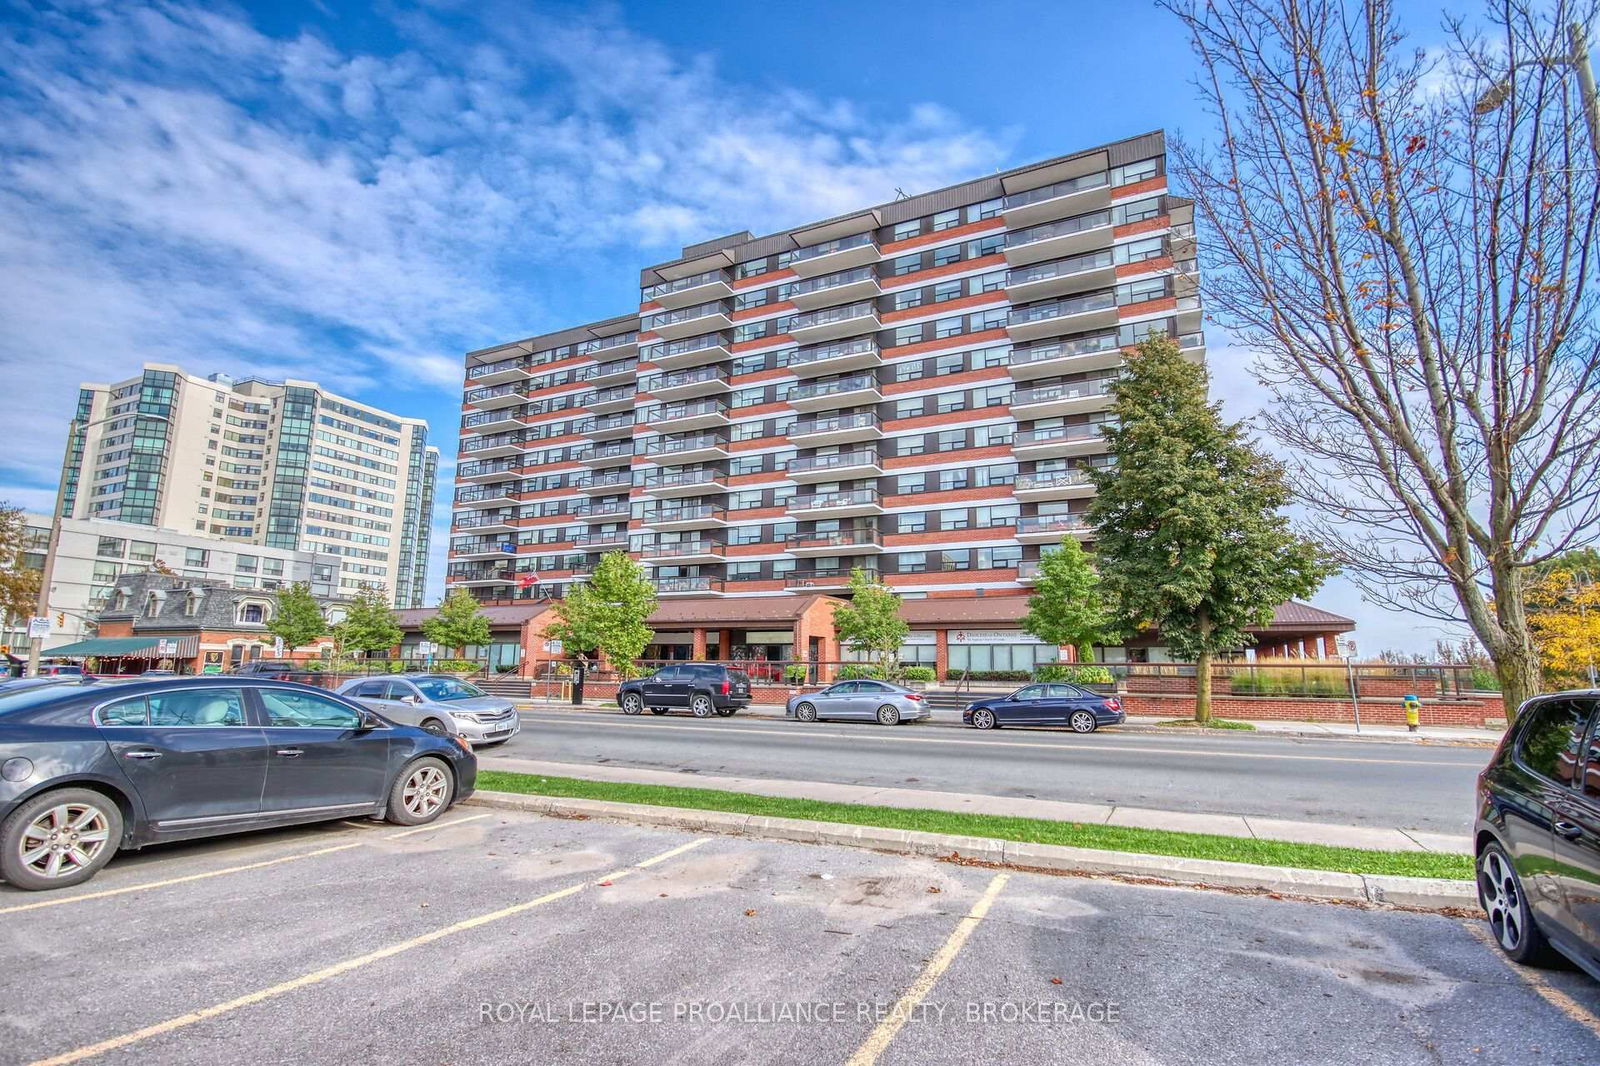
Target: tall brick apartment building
914,388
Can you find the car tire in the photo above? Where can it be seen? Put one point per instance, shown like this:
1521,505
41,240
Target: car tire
1082,722
632,704
1502,898
983,718
436,727
726,712
701,706
658,710
78,812
421,792
806,712
888,714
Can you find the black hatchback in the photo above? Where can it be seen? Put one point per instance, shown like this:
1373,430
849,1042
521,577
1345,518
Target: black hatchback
1538,832
89,769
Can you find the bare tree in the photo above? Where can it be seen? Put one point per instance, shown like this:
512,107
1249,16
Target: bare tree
1406,239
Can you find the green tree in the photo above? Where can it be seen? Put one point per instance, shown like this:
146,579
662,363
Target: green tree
459,624
369,624
1189,538
19,585
1066,606
298,619
605,615
870,624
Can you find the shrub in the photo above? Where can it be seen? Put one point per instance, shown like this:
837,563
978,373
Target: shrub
918,673
454,666
1289,682
857,672
795,673
989,675
1074,673
1485,680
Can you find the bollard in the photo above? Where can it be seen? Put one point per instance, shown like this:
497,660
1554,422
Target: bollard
1413,708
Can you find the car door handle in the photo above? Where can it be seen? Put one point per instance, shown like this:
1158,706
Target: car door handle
291,753
141,754
1570,830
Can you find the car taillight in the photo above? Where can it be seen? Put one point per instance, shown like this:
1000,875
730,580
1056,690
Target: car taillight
913,695
726,688
1114,703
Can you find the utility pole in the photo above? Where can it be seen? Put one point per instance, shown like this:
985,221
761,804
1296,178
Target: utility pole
1577,58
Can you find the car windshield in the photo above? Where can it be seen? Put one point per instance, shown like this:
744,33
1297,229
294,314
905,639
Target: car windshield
445,689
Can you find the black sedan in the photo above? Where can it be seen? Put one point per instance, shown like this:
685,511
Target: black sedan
1055,703
88,769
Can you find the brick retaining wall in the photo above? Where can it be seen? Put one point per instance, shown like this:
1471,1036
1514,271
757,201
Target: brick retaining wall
1464,712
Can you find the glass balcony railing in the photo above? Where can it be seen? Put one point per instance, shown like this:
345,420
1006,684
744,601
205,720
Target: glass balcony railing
820,353
833,538
669,585
1104,342
504,518
612,394
832,281
481,545
601,370
679,378
605,509
842,244
1059,268
822,501
675,445
619,479
1056,479
694,281
687,346
606,423
865,311
479,469
494,440
606,344
1064,228
1061,188
685,314
833,461
674,479
831,575
1067,390
477,495
680,548
603,538
690,513
1077,305
811,390
1052,523
834,423
492,392
669,412
484,370
1026,438
617,449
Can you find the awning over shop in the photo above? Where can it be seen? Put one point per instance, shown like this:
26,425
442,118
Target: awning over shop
130,647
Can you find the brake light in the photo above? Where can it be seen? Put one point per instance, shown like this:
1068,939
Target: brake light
913,696
726,688
1114,703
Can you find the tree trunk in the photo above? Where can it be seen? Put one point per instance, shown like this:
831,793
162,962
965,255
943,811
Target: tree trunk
1516,656
1202,688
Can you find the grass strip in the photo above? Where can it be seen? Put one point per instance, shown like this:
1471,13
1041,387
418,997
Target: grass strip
1215,723
998,827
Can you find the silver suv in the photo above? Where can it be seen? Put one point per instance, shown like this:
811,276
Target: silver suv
438,703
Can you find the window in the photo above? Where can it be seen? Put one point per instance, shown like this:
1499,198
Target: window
906,264
913,522
246,564
950,253
948,290
909,408
909,483
199,708
1032,692
952,440
372,690
987,209
112,546
949,364
1549,745
141,551
912,562
947,219
124,712
908,298
906,230
252,613
950,480
306,710
197,557
907,335
950,401
956,519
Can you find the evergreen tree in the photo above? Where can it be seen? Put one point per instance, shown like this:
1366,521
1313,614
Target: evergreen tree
459,624
298,620
1066,606
1189,537
605,615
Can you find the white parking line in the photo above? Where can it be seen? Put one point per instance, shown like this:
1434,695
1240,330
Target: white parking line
183,1021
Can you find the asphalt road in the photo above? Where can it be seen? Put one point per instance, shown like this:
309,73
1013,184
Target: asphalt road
504,937
1310,779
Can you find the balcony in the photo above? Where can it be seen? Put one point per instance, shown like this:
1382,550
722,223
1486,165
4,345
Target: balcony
500,420
612,346
834,392
686,516
830,577
499,522
498,495
1065,398
495,396
694,289
608,482
1059,358
612,372
672,482
607,539
1055,485
857,353
688,586
688,321
830,323
494,446
1050,528
498,372
835,466
608,400
609,453
835,429
1076,314
479,576
691,351
843,503
687,415
483,548
834,542
1088,192
691,448
843,287
602,511
604,427
1028,572
832,256
684,552
1053,240
1061,277
681,384
480,472
1081,438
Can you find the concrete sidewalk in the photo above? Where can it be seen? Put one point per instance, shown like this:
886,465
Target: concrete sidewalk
1350,836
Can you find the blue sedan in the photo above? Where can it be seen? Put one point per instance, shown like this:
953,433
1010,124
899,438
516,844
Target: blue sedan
1055,703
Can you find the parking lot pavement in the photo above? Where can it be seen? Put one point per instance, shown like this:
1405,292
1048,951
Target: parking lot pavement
508,937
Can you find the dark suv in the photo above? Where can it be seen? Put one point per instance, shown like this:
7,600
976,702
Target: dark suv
704,688
1538,832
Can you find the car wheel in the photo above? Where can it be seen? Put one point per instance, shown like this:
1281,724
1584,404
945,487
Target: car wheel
1500,893
658,710
726,712
421,793
436,727
1083,722
702,707
983,718
888,715
632,704
59,839
806,712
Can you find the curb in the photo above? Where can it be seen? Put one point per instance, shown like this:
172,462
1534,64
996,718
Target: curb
1418,893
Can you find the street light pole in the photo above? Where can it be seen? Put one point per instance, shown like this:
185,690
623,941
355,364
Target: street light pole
1577,58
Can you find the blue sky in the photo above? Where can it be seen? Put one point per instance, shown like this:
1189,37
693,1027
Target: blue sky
358,194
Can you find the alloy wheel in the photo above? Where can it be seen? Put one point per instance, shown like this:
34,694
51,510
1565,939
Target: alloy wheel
1502,899
63,839
1082,722
632,704
425,791
983,718
702,707
888,715
806,712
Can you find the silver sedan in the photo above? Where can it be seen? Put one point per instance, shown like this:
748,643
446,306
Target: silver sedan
863,700
440,704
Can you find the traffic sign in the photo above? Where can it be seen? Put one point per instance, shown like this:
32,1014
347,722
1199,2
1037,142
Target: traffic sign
166,647
39,627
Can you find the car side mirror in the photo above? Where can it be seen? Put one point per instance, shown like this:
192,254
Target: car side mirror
369,720
413,700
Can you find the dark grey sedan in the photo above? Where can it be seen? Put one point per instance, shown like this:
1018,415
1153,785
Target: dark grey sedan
868,701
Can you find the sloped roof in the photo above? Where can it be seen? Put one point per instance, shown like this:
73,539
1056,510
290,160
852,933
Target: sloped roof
732,610
502,617
1295,613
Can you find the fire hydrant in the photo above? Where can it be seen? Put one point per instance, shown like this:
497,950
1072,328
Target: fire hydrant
1413,708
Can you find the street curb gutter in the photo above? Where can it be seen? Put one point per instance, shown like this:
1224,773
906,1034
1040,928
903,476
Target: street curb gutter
1420,893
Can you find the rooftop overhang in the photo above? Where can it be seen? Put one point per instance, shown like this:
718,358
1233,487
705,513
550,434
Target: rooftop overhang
833,229
1050,173
688,268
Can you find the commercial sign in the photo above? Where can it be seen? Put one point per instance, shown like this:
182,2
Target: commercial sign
992,636
166,647
39,627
